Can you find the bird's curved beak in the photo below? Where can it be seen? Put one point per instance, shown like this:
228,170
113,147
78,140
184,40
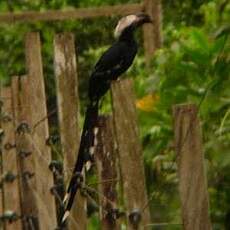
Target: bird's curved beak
144,18
147,19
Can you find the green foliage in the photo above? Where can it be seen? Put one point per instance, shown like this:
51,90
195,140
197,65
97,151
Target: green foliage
192,66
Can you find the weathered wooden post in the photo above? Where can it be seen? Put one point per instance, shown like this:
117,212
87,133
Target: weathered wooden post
11,195
130,154
152,32
68,113
40,133
190,160
106,161
24,148
1,173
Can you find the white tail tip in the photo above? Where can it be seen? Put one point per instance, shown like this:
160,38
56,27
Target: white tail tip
88,165
65,216
91,150
66,198
96,129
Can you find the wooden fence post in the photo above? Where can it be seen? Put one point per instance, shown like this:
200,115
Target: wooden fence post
152,32
40,133
9,162
190,159
129,148
1,173
106,161
68,112
76,14
26,155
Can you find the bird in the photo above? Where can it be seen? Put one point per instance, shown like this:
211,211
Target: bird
111,65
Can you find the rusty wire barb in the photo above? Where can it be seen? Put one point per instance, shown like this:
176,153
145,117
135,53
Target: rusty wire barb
7,177
23,128
10,177
26,175
135,217
8,146
24,153
56,166
114,214
9,216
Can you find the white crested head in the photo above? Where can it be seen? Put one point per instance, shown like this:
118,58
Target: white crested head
124,23
131,21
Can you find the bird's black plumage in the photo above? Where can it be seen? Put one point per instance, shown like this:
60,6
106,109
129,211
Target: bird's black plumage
115,61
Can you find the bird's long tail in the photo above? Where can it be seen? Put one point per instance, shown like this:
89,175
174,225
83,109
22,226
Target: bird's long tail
86,150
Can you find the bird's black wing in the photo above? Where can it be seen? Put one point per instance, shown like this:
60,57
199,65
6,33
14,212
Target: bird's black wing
111,58
115,61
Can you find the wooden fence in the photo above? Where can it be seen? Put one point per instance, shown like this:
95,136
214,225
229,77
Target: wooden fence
27,181
152,36
30,180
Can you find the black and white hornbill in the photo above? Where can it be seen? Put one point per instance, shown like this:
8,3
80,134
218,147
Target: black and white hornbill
115,61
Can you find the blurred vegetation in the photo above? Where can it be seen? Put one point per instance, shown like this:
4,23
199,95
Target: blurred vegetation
192,66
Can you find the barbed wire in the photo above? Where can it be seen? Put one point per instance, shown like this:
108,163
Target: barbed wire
68,171
48,164
85,187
